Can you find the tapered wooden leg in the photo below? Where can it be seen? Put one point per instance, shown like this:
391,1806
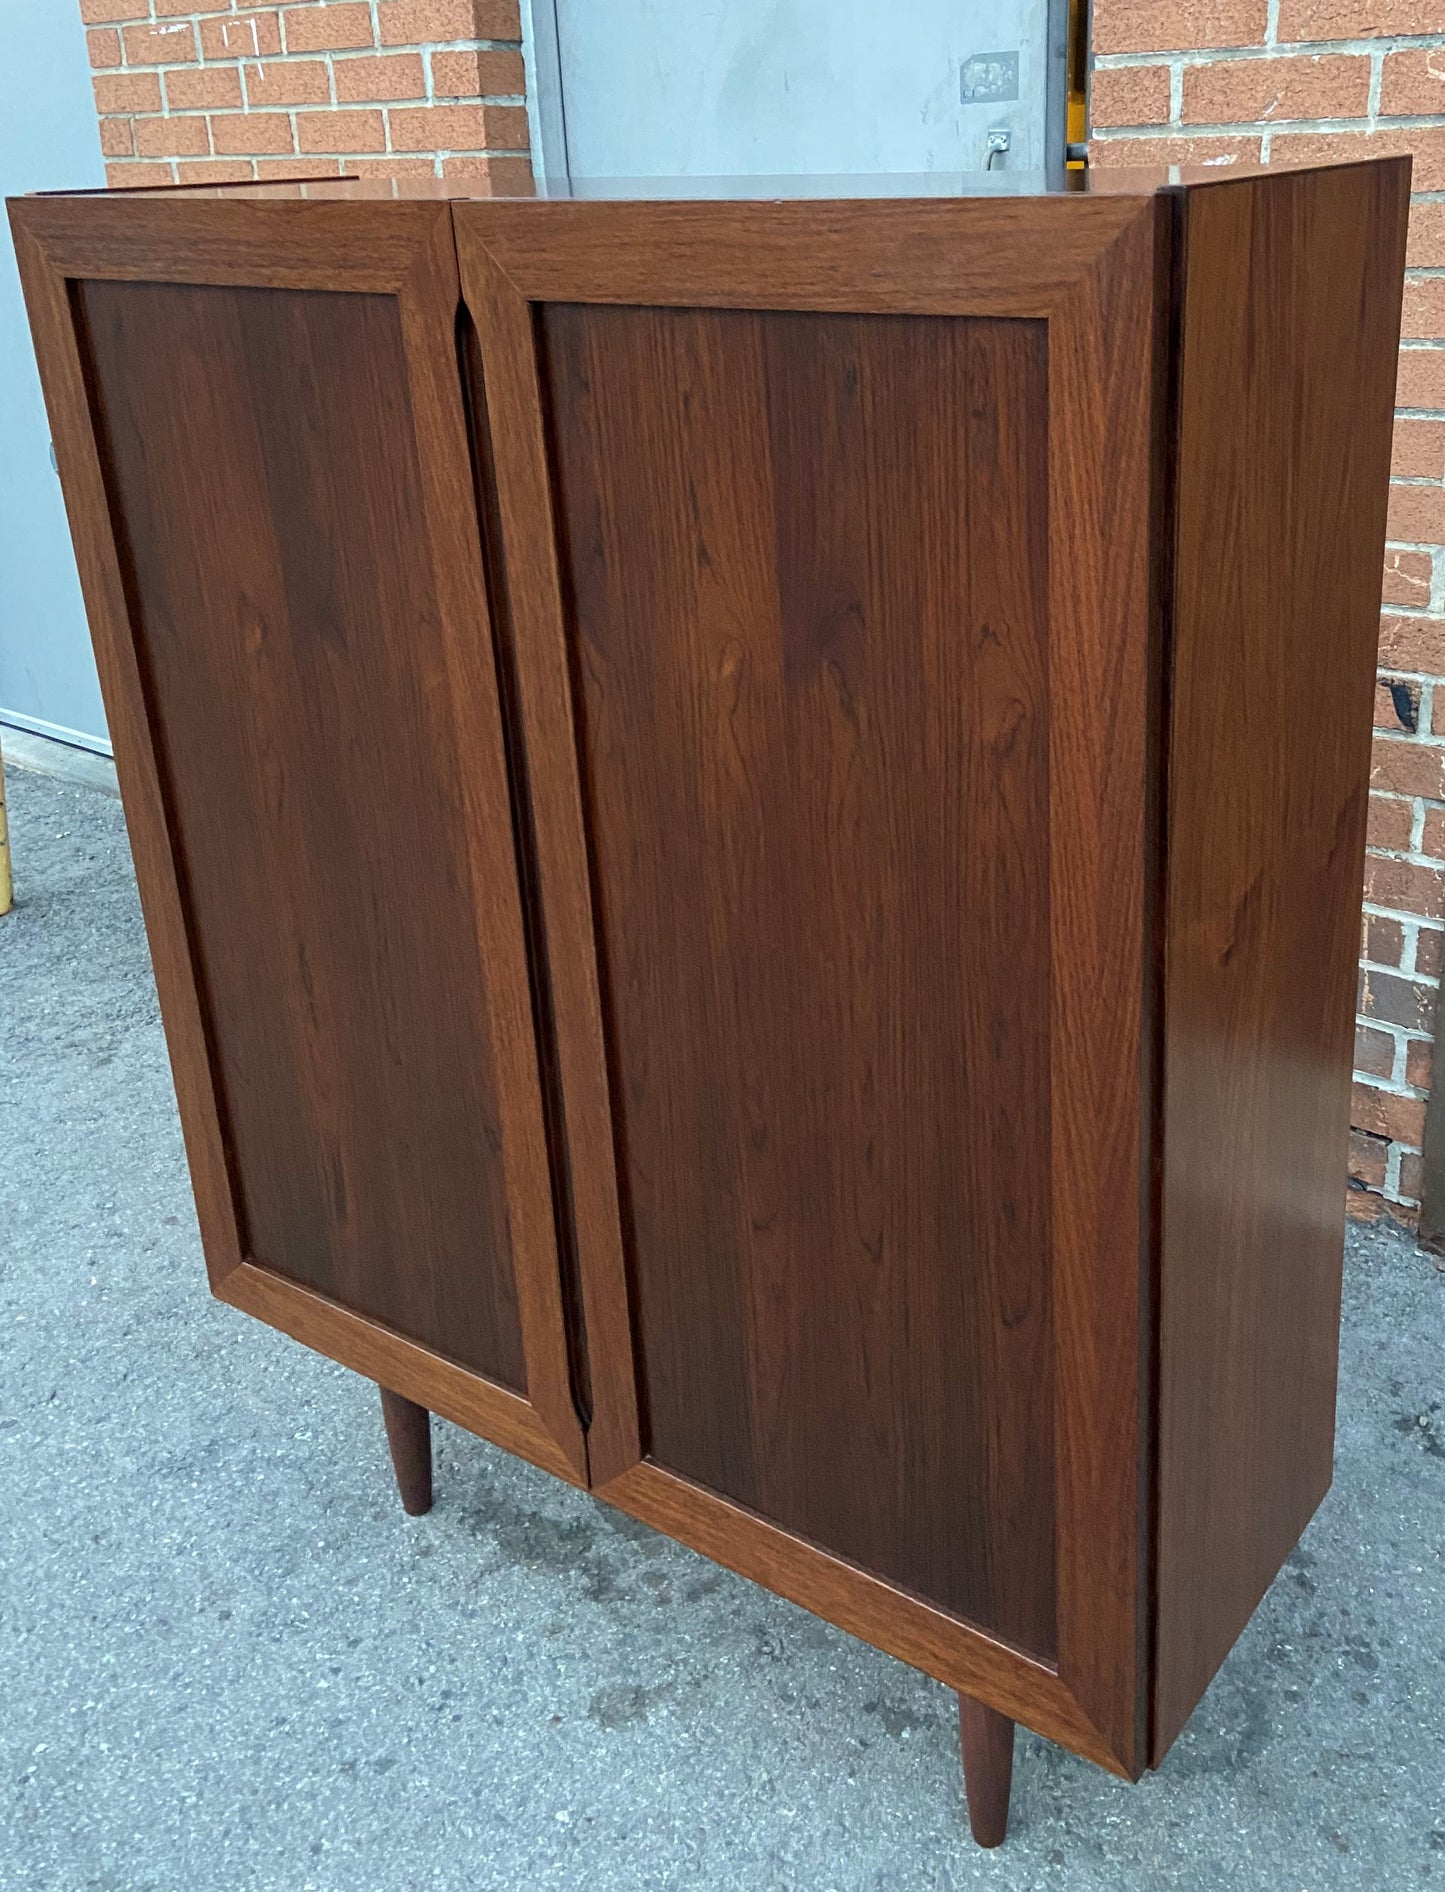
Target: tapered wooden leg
408,1433
988,1768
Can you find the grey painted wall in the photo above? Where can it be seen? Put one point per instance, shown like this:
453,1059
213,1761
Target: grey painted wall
777,87
49,140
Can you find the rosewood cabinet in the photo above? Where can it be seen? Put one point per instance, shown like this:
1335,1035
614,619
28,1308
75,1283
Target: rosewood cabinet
750,814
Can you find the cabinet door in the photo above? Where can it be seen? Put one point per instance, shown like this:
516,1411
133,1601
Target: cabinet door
831,620
264,450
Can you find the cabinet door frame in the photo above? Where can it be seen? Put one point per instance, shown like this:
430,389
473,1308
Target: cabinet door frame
405,251
1095,270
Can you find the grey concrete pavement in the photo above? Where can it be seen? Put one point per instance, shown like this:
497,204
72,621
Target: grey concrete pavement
227,1661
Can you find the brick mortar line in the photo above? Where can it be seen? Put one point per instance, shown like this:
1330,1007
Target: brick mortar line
1403,1042
418,104
1426,981
1266,128
1401,1045
1384,44
1396,1084
1411,927
209,62
1410,913
1403,1037
1417,920
1376,85
1396,972
1420,806
224,62
1402,914
1421,979
1389,1087
1410,857
1257,128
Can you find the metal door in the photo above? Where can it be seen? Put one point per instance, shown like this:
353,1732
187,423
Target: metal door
49,140
647,88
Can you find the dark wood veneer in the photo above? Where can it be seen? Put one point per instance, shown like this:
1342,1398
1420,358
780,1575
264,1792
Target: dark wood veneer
1291,303
808,561
749,815
261,458
1101,335
262,440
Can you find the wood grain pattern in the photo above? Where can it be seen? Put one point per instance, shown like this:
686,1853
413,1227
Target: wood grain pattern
1290,323
314,791
87,504
1103,323
947,256
532,643
1105,445
377,1353
126,237
957,1654
808,562
375,1159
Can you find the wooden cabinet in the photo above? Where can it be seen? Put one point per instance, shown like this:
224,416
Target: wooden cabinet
750,814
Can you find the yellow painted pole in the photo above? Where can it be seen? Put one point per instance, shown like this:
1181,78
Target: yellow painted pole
1077,132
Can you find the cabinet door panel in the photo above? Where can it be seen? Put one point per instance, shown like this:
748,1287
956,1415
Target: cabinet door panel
808,557
297,682
288,504
825,531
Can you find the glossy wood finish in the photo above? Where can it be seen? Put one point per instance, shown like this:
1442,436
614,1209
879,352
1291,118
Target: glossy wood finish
951,256
1291,305
808,558
330,888
1104,369
448,1390
987,1739
1099,336
351,1044
408,1435
914,1630
527,594
879,722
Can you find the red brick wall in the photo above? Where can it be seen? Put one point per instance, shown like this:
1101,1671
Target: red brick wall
201,91
1220,81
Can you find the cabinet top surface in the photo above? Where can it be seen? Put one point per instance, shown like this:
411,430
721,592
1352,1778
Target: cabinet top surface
900,186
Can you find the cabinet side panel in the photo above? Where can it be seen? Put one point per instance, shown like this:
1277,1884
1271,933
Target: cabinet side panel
808,558
1290,320
261,454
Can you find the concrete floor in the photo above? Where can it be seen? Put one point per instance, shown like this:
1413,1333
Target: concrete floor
227,1661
